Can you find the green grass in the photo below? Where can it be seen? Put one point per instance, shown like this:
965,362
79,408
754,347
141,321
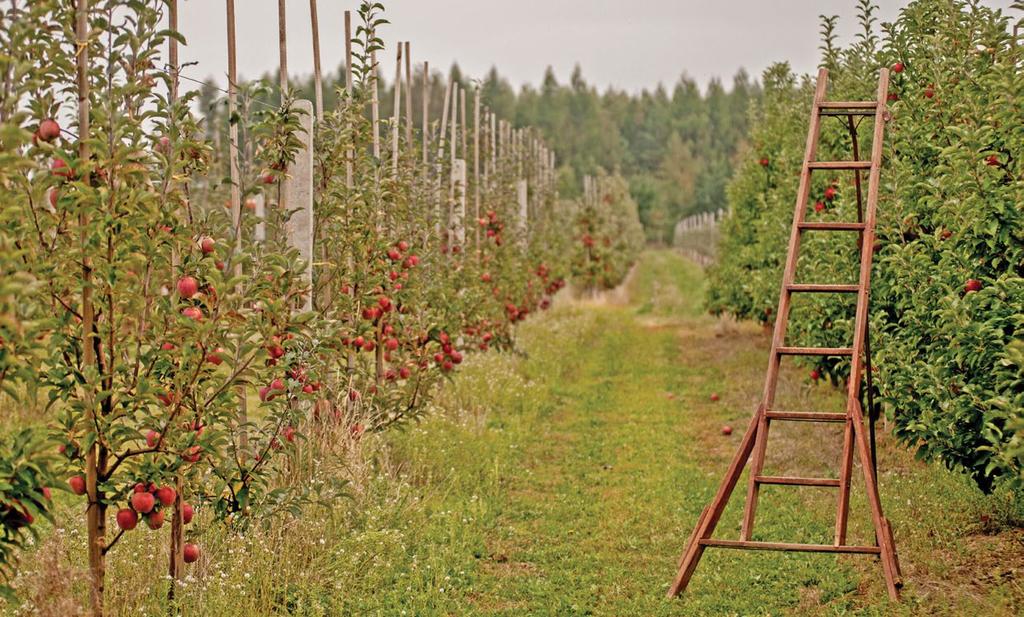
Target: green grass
565,479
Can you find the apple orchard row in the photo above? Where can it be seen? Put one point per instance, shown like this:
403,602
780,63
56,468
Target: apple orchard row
190,352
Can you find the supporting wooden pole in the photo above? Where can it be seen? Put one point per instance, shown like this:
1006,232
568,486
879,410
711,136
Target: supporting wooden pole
396,113
375,103
282,38
425,127
440,154
318,89
408,95
176,560
348,89
236,191
95,456
476,168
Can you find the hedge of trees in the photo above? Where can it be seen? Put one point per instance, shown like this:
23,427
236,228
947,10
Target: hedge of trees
947,313
186,362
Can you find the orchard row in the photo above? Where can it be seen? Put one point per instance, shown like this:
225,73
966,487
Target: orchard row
203,305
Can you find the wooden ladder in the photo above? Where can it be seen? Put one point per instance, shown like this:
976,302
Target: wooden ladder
856,436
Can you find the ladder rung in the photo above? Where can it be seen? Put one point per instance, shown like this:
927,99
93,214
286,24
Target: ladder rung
848,105
806,416
793,481
815,351
822,288
849,112
785,546
839,165
828,226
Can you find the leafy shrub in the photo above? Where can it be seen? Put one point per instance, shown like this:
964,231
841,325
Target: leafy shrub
949,213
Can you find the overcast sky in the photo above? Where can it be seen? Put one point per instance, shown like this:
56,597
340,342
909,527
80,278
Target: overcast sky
628,44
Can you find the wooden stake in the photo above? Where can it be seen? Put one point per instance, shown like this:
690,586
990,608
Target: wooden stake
375,104
95,463
408,96
318,90
465,122
348,89
425,127
476,167
282,40
396,114
282,36
176,559
236,193
440,153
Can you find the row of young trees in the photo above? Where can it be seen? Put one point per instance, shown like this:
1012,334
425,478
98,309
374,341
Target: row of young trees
675,148
948,289
192,320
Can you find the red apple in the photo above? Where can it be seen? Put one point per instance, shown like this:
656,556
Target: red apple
216,356
152,437
897,67
155,520
166,495
127,519
929,92
972,285
830,193
48,130
714,397
187,512
403,373
54,196
207,245
391,344
763,162
819,207
77,484
992,160
393,254
193,312
59,167
187,287
143,502
815,375
727,430
191,553
277,384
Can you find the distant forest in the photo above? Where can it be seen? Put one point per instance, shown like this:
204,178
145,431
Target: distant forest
675,148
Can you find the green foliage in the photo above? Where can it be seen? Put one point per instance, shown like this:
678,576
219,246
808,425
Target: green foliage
949,213
608,232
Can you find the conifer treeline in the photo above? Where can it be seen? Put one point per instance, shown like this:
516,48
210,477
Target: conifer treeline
676,148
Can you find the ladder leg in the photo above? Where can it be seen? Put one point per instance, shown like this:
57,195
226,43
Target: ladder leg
883,532
756,465
845,468
706,526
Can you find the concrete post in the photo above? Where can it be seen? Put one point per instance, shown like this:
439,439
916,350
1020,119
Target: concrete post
300,194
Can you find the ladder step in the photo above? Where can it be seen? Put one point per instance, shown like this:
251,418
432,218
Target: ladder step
849,112
814,351
839,165
785,546
822,288
805,416
828,226
848,105
793,481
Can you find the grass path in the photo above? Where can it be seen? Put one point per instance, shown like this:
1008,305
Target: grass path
585,477
565,479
